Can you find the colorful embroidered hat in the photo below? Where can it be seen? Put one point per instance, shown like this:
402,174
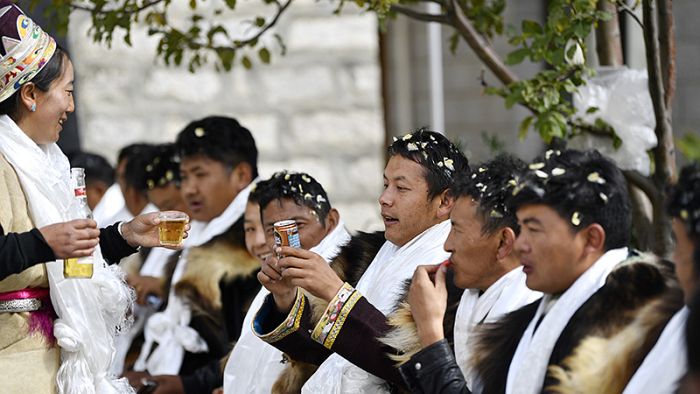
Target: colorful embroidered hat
25,49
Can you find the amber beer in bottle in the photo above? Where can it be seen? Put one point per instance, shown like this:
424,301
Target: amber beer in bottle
79,267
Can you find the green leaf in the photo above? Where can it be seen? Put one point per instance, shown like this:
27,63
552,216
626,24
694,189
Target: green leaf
454,41
245,61
259,21
264,55
193,4
231,4
517,56
525,126
531,27
226,56
592,110
689,146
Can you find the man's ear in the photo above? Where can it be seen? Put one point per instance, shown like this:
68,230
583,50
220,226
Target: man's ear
332,219
594,237
242,174
447,202
507,243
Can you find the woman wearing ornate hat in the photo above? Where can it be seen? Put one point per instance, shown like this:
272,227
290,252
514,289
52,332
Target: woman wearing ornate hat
56,333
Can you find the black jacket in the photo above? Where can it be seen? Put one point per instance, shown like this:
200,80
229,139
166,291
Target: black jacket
19,251
434,370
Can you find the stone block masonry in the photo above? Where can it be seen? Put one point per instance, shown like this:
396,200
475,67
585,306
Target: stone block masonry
317,109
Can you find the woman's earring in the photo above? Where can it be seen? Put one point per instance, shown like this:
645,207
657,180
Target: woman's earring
33,107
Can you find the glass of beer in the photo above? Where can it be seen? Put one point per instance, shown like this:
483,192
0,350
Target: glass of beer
171,227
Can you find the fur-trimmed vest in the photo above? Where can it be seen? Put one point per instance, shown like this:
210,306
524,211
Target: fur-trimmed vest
219,283
351,262
604,342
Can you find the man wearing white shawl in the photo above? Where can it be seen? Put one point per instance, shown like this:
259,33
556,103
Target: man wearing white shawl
254,366
483,261
415,207
574,216
213,281
663,369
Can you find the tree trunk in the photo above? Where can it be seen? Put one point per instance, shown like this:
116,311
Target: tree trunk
664,153
607,37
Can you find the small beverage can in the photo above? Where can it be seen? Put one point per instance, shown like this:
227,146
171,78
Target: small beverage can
287,234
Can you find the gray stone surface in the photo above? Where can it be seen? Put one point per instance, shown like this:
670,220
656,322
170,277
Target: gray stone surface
317,109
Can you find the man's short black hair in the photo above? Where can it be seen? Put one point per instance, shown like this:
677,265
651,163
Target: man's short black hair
490,184
684,199
162,167
132,150
684,204
219,138
583,187
300,187
439,157
97,168
135,169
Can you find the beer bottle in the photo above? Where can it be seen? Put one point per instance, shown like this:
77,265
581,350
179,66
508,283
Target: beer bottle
79,267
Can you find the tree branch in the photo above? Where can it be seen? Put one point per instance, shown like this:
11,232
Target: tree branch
607,36
480,46
664,153
622,7
667,44
421,16
94,10
645,185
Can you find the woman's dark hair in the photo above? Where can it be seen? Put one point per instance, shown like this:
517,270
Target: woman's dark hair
42,80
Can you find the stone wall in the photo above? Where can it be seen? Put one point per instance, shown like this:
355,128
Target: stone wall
317,109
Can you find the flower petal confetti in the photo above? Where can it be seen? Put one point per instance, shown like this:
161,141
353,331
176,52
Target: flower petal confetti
684,214
411,147
320,199
449,164
199,132
576,219
558,171
407,137
536,166
495,214
603,197
482,169
595,178
306,178
541,174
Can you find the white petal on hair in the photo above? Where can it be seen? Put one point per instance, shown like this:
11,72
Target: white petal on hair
536,166
541,174
411,147
595,178
576,219
558,171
